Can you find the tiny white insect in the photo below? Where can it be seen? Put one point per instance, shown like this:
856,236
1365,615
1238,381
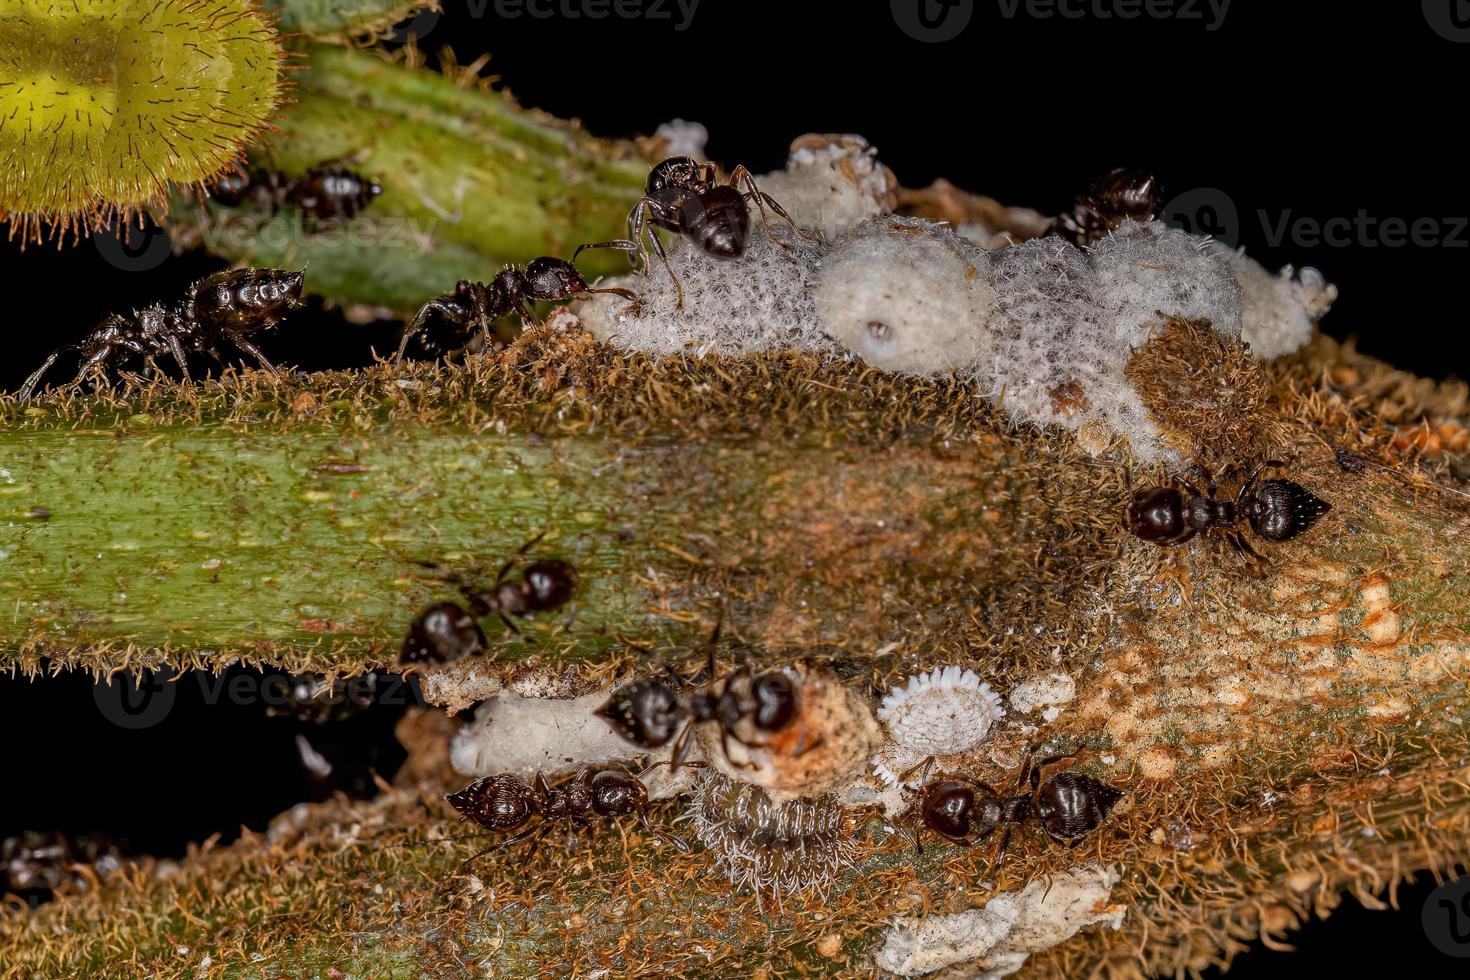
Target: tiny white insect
946,711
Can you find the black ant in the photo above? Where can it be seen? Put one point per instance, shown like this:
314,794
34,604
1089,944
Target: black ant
228,305
1068,805
686,197
507,802
325,194
1112,198
463,319
1277,510
447,631
650,713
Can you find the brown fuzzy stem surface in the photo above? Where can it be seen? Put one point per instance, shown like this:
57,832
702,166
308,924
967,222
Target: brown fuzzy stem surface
1281,735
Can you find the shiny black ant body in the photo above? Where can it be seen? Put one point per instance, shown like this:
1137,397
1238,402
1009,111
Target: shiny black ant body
1068,806
1109,201
1277,510
686,197
227,306
324,194
507,802
447,631
653,712
462,320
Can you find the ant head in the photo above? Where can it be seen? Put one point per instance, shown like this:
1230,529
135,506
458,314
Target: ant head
552,278
1157,515
617,793
442,633
551,584
776,701
646,713
674,172
1126,194
946,808
246,298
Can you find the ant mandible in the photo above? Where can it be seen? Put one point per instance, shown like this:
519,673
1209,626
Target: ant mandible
1276,509
463,319
1068,806
448,631
686,197
652,712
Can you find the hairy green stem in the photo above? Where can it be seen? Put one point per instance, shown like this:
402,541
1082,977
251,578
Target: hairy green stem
470,181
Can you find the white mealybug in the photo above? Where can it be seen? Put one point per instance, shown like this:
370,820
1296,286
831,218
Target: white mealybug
944,712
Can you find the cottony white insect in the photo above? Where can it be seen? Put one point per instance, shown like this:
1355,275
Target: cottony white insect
946,711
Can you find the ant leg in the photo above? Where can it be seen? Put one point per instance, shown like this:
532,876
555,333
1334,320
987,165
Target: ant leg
725,737
509,625
678,843
761,199
658,247
1243,548
416,325
681,747
180,358
1000,851
927,765
29,386
538,832
248,346
670,764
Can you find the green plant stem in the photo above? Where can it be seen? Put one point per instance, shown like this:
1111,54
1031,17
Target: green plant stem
470,181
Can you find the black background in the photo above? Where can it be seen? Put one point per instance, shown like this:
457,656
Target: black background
1315,111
